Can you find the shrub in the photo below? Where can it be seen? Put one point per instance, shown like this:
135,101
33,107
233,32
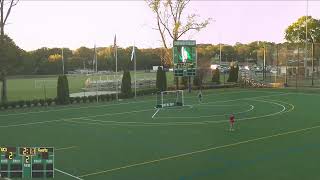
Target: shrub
5,105
216,76
92,98
28,103
161,81
49,101
84,99
21,103
42,102
102,97
71,100
126,90
78,99
108,97
63,90
12,104
233,74
35,102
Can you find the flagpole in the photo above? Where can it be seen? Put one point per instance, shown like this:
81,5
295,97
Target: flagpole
135,72
62,61
96,58
116,54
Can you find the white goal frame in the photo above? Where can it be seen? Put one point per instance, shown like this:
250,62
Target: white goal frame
164,104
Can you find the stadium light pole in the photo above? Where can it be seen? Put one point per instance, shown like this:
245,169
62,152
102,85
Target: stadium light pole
62,59
306,40
220,54
116,55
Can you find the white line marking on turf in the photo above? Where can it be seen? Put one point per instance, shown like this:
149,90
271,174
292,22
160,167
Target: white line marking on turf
155,113
68,174
66,119
61,108
197,117
199,151
65,148
110,123
111,114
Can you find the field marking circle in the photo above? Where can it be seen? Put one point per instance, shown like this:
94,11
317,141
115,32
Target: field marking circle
139,124
206,116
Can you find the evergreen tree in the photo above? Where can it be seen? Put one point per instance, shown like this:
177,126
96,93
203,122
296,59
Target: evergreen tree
126,90
164,80
62,90
216,76
159,81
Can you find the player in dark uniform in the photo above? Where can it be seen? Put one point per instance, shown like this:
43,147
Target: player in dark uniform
231,120
200,96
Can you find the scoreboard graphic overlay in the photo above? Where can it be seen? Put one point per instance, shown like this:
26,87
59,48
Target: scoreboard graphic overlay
184,57
27,162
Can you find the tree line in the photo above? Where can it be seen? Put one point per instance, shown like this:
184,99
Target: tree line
44,61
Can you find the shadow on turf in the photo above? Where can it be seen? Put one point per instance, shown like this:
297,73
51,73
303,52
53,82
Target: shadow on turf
228,165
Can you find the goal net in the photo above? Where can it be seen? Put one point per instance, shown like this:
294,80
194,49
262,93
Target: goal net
170,99
39,84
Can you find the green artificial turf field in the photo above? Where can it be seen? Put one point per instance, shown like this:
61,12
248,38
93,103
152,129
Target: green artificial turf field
276,137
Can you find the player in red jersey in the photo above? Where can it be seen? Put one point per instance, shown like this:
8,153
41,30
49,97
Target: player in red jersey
231,120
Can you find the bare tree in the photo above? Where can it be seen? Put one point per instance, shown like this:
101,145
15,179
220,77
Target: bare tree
171,23
5,10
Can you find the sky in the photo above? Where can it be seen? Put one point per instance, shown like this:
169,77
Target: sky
72,24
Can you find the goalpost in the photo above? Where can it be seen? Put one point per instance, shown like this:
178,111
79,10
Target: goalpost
170,99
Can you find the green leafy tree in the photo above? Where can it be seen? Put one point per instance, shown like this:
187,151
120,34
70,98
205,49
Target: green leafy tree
296,32
126,90
10,60
6,57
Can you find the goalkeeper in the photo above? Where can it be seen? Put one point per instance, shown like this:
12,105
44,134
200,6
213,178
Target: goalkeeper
200,96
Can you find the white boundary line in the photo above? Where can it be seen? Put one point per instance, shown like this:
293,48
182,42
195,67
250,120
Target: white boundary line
65,148
65,108
120,113
66,119
75,177
199,151
115,123
207,116
155,113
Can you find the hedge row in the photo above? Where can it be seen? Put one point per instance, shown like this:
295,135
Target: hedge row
90,99
72,100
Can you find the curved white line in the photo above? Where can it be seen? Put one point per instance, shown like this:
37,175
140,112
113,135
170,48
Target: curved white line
207,116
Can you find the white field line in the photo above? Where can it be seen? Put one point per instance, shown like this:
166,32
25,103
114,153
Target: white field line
66,119
155,113
119,113
207,116
65,148
115,123
61,108
199,151
75,177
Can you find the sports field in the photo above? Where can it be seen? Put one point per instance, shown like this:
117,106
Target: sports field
276,137
31,87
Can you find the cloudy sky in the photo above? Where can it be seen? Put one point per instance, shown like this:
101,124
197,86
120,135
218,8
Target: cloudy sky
69,23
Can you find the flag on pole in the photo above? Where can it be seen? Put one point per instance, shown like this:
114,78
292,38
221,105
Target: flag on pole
133,54
114,45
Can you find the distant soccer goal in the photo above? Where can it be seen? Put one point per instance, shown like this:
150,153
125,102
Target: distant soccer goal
39,84
170,99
